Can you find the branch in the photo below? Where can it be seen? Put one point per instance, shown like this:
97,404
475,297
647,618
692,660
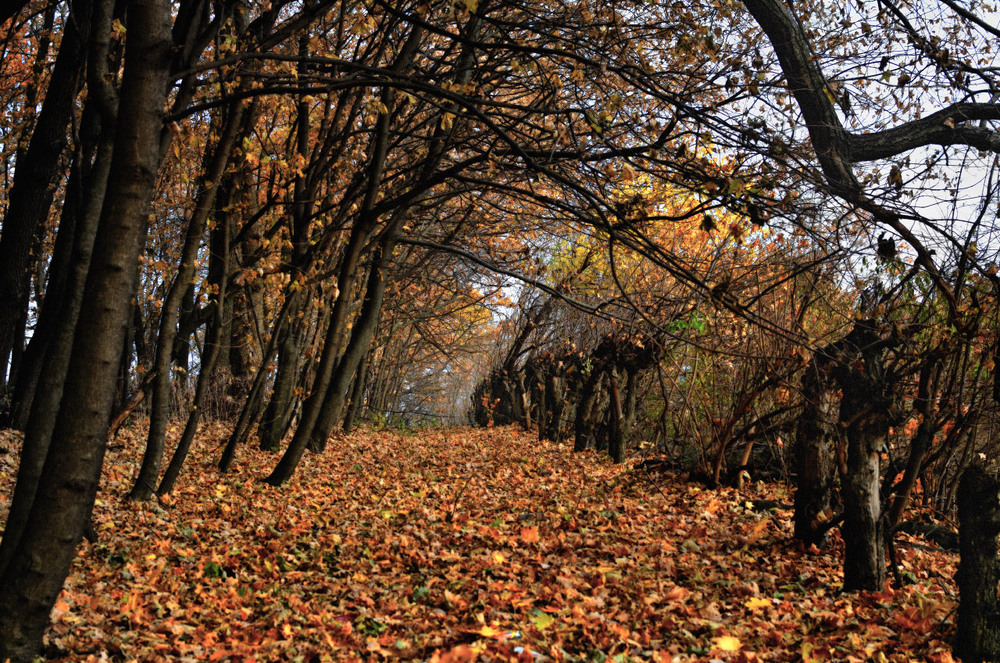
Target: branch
833,144
454,250
836,148
808,85
941,128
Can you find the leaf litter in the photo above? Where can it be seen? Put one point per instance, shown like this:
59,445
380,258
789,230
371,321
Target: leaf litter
465,544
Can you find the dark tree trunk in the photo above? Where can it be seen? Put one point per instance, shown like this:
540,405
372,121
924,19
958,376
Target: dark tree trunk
361,338
41,410
251,407
585,412
616,437
555,400
815,452
314,405
330,409
214,340
920,444
61,508
329,357
631,398
356,404
159,411
278,413
977,633
34,182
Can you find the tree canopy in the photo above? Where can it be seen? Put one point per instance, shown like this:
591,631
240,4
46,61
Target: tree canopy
703,228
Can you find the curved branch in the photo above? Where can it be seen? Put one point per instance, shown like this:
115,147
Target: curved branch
833,143
471,257
808,85
836,148
941,128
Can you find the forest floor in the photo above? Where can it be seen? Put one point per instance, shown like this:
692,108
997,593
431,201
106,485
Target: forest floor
464,544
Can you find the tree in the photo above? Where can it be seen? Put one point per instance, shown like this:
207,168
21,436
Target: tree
42,554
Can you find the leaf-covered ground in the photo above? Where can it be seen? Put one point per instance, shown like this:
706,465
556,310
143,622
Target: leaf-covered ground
461,545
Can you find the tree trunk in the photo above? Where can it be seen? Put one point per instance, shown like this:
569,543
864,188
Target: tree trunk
977,633
281,405
584,424
356,404
815,453
34,181
159,411
923,437
251,407
616,440
214,340
43,406
33,579
330,409
361,337
863,529
864,413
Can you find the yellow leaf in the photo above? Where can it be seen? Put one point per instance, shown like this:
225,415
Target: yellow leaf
757,603
726,643
498,558
488,632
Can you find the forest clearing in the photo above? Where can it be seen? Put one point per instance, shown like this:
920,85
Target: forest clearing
467,544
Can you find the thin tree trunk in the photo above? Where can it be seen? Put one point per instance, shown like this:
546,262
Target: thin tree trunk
34,180
214,341
356,405
278,413
920,444
251,407
361,338
145,483
584,425
616,441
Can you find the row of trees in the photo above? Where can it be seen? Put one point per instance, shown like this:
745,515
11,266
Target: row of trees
292,211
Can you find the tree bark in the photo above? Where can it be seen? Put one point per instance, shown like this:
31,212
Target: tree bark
815,454
215,167
584,424
361,337
41,409
864,412
34,181
977,633
281,405
616,440
355,406
214,340
251,407
33,579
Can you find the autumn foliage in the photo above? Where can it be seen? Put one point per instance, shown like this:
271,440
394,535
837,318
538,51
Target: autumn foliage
470,544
